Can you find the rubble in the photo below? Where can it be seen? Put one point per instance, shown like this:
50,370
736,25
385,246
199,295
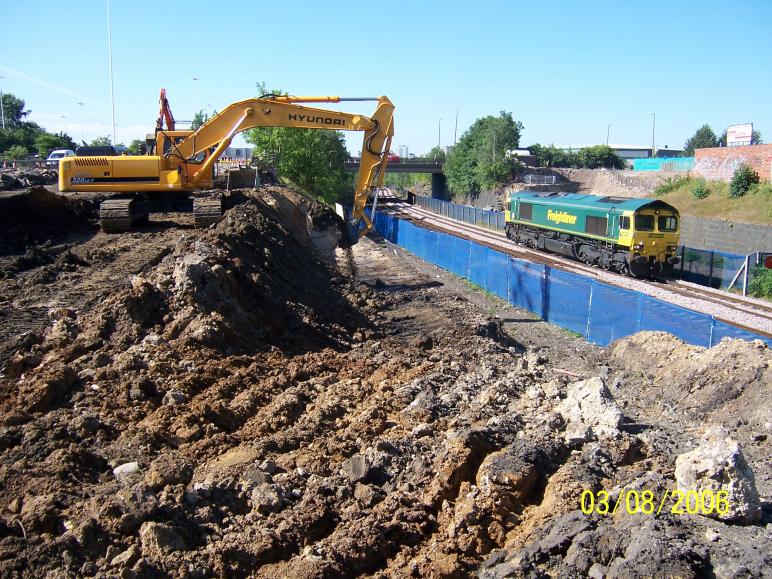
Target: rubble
273,414
718,465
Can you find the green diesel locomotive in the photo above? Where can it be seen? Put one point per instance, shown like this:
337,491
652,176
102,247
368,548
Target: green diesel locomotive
636,237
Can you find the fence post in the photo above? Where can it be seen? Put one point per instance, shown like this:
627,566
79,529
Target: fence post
745,275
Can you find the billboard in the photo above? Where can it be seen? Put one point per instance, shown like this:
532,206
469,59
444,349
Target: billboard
739,135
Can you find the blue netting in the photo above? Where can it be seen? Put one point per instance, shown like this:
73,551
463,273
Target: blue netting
428,245
568,299
406,236
722,330
602,313
444,251
478,272
687,325
460,251
496,278
613,313
525,285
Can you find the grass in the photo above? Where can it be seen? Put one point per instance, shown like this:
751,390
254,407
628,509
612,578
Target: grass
753,207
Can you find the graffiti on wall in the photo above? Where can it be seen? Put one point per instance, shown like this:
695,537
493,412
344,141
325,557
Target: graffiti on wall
718,168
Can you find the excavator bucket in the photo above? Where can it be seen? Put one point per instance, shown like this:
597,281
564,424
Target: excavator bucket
243,178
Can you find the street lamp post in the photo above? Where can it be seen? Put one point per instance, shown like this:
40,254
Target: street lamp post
2,109
110,51
439,133
653,124
608,132
81,121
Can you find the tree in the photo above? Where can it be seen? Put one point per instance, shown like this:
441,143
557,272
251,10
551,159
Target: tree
198,119
47,142
478,160
103,141
755,138
311,158
551,156
597,157
17,152
13,110
742,180
704,138
136,147
436,154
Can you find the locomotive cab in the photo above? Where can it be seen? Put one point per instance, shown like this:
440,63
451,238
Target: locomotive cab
652,233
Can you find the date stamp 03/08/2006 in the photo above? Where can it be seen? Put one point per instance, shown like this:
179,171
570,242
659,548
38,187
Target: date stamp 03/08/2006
692,502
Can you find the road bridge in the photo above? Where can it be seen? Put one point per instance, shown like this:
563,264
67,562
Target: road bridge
415,165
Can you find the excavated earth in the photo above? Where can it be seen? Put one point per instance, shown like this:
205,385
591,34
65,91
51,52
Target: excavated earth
245,401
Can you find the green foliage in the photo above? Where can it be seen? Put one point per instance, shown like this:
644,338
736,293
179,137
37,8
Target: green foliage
13,110
700,189
17,152
587,158
198,119
742,180
670,184
312,159
436,154
550,156
760,284
47,142
406,180
478,160
103,141
597,157
702,139
136,147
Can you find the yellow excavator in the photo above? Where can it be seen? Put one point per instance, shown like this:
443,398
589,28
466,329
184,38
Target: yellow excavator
179,162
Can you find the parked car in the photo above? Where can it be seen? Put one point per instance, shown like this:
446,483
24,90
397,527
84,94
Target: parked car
55,156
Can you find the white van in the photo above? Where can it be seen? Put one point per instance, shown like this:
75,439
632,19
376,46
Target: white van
55,156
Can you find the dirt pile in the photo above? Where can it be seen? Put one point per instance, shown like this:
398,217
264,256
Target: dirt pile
37,216
21,178
243,409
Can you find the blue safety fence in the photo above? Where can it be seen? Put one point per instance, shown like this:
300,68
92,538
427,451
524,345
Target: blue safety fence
480,217
710,268
599,312
664,164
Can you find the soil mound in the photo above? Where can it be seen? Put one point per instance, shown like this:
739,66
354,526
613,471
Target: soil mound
38,215
726,385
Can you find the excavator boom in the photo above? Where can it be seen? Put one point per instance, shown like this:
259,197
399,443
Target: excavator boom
184,160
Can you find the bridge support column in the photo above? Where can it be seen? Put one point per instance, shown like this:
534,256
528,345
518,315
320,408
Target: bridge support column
439,186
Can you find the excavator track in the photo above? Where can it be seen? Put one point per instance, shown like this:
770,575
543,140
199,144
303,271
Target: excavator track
118,215
206,211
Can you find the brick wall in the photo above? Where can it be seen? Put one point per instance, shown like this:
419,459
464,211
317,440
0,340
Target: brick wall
738,238
720,163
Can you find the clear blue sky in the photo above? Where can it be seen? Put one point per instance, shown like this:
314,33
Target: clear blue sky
565,69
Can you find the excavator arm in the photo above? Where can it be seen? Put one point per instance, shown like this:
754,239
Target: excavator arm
283,111
164,113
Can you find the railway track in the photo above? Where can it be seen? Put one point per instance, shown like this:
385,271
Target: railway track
742,312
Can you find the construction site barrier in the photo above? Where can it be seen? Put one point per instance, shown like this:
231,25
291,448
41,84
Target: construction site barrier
711,268
599,312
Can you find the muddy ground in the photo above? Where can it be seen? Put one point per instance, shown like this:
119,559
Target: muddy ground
229,402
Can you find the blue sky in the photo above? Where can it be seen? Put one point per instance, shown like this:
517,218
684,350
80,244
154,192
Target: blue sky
564,69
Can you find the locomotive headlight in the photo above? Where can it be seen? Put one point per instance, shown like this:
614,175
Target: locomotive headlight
672,248
638,245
